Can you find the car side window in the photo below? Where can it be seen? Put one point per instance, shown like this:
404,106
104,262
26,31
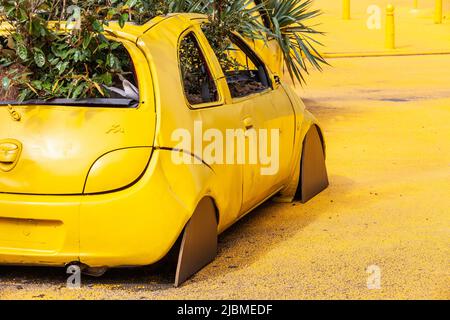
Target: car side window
244,71
199,85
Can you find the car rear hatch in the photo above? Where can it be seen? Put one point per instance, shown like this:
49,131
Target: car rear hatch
49,147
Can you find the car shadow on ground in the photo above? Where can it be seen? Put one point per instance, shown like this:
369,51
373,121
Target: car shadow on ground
266,227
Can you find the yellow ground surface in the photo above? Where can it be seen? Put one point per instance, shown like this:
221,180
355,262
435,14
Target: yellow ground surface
415,29
387,122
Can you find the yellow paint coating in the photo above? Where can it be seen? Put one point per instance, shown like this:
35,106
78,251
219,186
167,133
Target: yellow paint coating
415,31
110,173
438,12
387,127
388,158
99,186
346,9
390,27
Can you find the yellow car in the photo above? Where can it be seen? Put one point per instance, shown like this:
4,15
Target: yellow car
170,162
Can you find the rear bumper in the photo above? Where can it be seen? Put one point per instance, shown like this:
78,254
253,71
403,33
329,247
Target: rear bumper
131,227
39,229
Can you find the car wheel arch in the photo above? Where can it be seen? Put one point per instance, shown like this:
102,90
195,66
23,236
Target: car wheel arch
197,249
290,192
313,177
322,139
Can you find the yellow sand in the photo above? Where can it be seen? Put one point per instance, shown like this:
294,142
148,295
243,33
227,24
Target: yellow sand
415,29
387,123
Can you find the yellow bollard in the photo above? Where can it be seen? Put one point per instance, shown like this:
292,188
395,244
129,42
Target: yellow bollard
346,10
438,12
416,4
390,27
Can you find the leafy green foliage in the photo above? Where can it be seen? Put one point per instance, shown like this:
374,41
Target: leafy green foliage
196,78
286,20
229,16
54,62
40,57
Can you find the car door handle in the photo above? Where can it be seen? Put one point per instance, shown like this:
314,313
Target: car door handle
248,123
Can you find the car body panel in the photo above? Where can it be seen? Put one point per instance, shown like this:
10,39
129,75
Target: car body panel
139,223
272,112
61,143
134,226
39,229
160,45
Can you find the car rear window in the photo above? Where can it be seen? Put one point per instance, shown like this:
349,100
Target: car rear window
122,93
198,83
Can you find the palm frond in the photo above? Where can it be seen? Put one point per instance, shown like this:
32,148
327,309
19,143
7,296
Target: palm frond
287,25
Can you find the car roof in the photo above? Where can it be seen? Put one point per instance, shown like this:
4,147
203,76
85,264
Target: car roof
132,31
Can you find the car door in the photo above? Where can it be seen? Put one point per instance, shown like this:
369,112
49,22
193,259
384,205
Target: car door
213,117
268,119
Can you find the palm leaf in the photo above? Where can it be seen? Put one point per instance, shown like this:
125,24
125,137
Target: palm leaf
287,25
